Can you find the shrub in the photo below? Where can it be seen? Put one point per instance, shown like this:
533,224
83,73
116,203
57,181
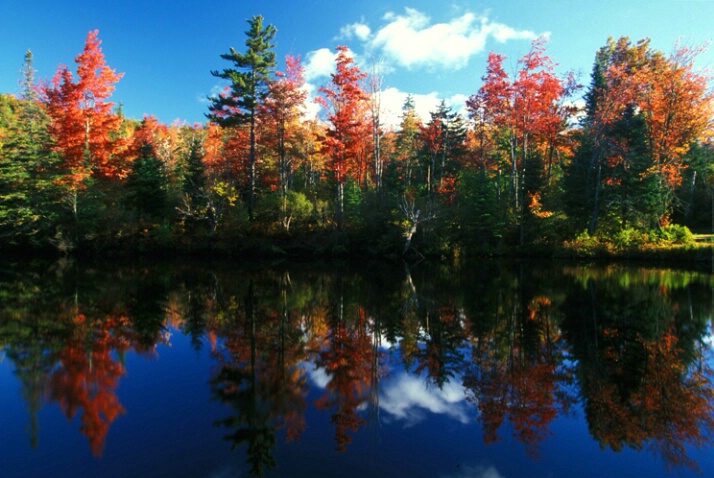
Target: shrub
630,237
676,234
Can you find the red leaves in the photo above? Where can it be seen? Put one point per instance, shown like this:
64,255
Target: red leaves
494,98
96,79
346,103
528,103
527,108
83,125
349,362
280,118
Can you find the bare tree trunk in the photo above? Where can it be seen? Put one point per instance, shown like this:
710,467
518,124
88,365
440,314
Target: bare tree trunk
410,233
514,174
413,215
340,204
375,87
251,170
593,219
690,203
524,206
551,152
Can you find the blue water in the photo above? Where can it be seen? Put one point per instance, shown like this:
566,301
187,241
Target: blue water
167,431
414,429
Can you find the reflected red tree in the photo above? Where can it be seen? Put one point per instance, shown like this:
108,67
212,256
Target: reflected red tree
348,360
87,376
517,375
672,407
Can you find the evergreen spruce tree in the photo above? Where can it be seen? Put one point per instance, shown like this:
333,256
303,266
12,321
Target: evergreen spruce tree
28,195
407,149
453,133
194,181
249,77
27,79
146,185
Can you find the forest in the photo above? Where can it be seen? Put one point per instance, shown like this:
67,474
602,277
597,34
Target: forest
530,169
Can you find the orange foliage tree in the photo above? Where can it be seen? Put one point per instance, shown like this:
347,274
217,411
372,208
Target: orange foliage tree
347,105
677,106
83,126
348,360
517,376
281,114
645,111
672,407
522,107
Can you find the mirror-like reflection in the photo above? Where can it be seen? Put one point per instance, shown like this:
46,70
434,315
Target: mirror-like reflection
508,350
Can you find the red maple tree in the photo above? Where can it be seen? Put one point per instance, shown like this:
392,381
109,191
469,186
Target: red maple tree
524,107
84,126
347,106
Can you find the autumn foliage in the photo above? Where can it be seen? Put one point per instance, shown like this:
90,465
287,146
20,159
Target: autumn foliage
84,126
527,164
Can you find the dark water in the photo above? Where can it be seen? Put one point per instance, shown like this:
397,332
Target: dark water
493,370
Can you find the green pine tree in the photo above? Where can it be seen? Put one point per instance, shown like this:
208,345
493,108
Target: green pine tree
146,186
28,194
249,79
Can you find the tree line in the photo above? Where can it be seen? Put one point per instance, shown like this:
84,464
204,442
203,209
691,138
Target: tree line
526,166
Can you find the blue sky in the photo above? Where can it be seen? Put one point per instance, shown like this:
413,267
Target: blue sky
431,49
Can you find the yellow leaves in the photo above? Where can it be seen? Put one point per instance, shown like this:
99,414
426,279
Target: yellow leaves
536,206
226,191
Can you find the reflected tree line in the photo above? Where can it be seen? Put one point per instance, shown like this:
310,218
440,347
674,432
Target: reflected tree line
527,344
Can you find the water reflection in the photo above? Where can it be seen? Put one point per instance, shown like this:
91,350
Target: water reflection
519,344
644,383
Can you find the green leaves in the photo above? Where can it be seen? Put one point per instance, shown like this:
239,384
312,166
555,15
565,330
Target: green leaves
249,77
27,193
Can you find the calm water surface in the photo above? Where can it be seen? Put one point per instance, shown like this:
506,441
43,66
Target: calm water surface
493,370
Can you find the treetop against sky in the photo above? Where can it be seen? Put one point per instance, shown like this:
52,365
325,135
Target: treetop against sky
435,51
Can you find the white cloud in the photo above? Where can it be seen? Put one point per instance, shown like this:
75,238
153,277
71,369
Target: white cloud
224,472
709,338
458,103
317,376
310,109
407,398
393,100
580,106
503,33
357,30
319,63
215,91
411,40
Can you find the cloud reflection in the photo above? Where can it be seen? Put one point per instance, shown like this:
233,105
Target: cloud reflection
317,376
475,472
407,398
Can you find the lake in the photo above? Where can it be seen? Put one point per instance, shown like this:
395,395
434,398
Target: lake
487,370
